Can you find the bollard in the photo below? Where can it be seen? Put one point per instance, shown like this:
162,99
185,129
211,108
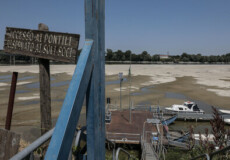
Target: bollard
11,100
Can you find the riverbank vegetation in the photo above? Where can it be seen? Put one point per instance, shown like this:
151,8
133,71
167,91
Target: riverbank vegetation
123,57
205,145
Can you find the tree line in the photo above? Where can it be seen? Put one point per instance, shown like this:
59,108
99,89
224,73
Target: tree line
119,55
145,56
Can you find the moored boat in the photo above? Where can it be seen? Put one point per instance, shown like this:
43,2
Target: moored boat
187,107
223,111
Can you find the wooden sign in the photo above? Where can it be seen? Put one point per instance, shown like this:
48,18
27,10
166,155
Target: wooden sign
42,44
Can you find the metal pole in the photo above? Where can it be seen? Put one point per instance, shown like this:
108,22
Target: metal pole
130,109
11,100
143,130
120,94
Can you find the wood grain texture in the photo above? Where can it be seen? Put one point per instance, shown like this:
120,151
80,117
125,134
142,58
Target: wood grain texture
94,20
44,44
45,94
9,144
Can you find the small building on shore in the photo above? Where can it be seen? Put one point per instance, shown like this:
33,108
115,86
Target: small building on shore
164,56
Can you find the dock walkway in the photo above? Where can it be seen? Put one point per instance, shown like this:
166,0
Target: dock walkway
148,151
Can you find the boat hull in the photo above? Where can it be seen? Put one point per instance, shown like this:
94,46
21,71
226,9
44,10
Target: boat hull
169,110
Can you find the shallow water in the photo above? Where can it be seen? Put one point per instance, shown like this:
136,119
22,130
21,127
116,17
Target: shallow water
143,90
5,76
8,78
115,82
21,91
175,95
26,78
59,84
198,126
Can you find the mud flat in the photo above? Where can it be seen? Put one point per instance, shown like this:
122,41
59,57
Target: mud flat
150,84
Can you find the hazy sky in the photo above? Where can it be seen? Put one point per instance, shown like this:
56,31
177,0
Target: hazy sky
157,26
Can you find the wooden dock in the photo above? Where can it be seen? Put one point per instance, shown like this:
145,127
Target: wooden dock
120,130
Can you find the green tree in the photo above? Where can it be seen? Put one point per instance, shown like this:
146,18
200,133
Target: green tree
109,55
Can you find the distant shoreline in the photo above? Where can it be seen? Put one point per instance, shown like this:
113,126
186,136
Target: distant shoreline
127,63
171,63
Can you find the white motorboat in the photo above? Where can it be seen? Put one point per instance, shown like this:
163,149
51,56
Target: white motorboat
223,111
227,121
187,107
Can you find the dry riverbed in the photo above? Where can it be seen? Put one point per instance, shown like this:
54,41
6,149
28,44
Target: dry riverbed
162,85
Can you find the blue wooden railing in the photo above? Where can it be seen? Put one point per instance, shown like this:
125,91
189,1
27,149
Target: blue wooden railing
63,135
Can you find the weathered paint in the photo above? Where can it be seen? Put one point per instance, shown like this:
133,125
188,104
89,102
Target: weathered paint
44,44
94,22
63,135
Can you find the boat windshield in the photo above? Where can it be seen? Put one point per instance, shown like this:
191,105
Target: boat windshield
188,105
195,108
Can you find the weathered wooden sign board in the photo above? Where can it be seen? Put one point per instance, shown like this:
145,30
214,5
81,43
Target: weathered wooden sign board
42,44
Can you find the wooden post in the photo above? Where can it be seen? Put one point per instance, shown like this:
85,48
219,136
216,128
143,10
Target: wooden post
95,29
9,144
45,96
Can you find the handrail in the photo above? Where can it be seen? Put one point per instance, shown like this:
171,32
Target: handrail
37,143
124,151
209,156
202,156
114,147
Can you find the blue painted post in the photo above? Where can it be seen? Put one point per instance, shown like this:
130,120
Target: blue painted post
94,29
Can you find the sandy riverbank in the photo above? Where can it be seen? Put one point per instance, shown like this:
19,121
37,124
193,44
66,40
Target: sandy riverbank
151,84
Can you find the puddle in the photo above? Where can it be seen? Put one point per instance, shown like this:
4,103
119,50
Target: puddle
37,84
30,102
59,84
143,91
115,82
146,103
21,91
38,101
33,85
5,77
175,95
8,78
25,78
